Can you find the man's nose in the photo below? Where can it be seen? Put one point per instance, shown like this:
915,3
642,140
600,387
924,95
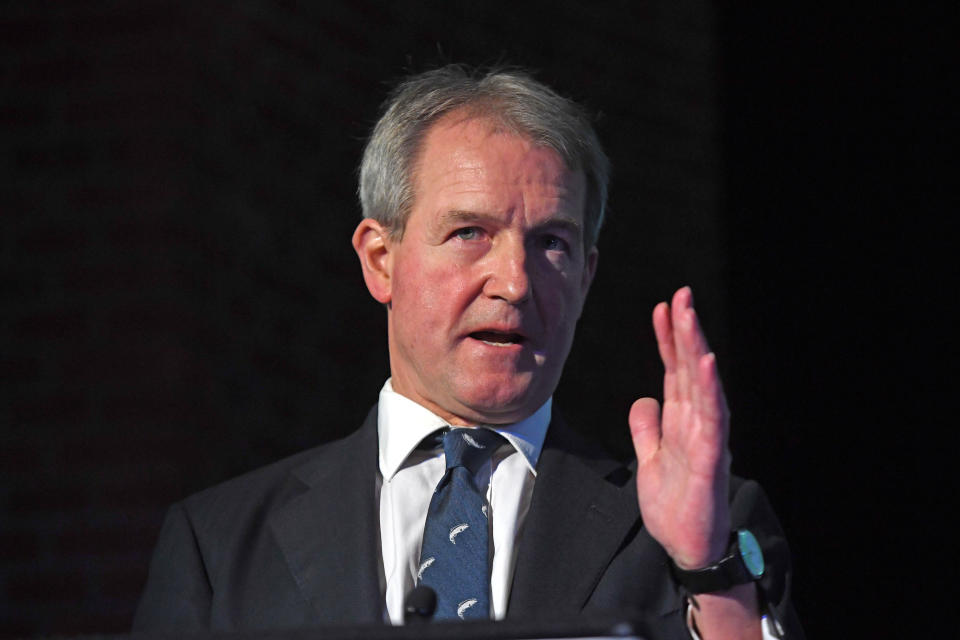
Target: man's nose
508,278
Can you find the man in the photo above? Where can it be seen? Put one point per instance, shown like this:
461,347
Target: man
482,197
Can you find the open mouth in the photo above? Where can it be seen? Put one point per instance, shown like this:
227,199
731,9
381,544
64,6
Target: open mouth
498,338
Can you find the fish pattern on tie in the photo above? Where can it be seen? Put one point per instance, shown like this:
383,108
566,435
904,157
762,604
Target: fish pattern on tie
455,552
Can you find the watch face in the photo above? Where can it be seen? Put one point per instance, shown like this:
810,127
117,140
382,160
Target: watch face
750,552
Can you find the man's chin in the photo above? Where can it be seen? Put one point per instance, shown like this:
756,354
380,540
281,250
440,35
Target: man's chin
501,406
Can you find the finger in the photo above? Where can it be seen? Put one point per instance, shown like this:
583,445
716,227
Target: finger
713,401
691,344
681,320
715,417
665,345
663,328
694,348
645,428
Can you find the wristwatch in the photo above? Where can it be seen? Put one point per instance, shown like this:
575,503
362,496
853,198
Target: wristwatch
742,563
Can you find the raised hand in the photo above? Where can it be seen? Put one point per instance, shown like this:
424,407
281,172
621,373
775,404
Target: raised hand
683,461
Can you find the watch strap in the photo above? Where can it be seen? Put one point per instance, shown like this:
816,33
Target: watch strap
729,572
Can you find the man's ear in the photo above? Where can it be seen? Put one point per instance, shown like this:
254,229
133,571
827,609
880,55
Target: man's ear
372,243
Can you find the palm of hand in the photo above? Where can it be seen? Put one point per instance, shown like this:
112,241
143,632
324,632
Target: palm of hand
682,458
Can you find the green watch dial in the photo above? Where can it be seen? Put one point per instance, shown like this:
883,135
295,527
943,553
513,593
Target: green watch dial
750,552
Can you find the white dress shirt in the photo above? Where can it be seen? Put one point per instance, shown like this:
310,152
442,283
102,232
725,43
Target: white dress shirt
410,475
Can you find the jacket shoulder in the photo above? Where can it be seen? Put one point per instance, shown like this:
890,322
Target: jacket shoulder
252,496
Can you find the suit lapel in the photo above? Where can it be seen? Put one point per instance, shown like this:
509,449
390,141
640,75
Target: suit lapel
584,505
330,543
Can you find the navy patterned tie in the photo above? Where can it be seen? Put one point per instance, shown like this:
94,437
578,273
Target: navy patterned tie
454,557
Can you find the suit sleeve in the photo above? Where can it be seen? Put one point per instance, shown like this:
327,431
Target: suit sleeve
177,594
750,508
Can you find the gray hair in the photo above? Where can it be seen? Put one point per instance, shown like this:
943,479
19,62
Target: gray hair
512,99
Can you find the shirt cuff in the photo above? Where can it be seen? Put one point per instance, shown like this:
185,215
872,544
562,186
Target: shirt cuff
769,625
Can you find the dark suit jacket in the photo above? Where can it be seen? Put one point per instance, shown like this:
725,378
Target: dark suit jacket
295,544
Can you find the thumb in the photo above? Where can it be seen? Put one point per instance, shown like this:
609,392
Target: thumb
645,428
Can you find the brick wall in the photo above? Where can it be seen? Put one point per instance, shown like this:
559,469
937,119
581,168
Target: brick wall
179,298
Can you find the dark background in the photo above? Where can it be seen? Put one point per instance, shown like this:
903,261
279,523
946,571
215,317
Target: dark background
180,302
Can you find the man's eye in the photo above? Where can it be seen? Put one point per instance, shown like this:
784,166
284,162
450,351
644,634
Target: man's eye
554,243
467,233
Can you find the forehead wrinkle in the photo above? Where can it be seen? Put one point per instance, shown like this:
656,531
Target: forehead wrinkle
465,169
463,159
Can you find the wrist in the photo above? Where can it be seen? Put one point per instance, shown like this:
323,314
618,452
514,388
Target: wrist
694,560
741,563
733,613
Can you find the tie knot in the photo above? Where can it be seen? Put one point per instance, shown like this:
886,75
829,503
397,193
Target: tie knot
469,448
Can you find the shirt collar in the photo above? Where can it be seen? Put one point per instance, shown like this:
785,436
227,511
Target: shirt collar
402,424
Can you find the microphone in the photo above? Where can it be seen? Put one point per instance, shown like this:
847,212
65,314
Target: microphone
419,605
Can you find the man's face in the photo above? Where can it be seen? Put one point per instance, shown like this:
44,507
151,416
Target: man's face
487,284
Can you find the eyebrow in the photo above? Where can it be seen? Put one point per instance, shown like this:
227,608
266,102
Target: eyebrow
462,216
